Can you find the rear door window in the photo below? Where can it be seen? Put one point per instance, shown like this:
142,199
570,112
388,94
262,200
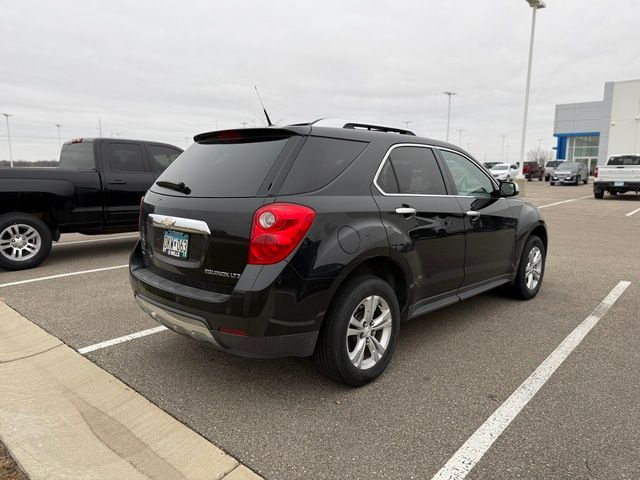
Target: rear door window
223,169
320,161
411,170
125,157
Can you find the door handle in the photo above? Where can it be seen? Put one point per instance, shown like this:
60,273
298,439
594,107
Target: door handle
117,182
406,210
473,214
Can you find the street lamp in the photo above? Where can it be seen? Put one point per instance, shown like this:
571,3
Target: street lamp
535,6
58,125
449,94
460,130
502,154
6,116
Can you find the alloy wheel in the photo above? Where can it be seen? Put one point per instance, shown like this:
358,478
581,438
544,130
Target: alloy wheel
20,242
533,271
369,332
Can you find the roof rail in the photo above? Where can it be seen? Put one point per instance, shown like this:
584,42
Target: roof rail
339,123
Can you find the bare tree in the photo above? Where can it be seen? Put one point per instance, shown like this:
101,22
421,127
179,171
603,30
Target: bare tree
539,155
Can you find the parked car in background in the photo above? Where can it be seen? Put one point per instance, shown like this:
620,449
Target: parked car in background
620,174
572,173
489,165
532,170
504,172
551,167
247,242
95,189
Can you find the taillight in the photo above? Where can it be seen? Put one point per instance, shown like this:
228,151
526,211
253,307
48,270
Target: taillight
276,230
595,173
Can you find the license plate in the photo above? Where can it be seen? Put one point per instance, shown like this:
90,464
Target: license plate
175,244
618,184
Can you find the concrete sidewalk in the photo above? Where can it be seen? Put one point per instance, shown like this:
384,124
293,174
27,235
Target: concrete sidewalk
63,417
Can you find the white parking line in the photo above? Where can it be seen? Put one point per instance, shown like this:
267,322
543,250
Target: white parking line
60,275
470,453
122,339
632,212
564,201
74,242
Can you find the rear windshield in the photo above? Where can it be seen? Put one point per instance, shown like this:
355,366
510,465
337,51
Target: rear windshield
77,156
625,160
319,162
553,164
223,169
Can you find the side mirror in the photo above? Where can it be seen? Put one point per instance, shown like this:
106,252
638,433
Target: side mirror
508,189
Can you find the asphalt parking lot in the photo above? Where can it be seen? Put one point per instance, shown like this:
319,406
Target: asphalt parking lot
451,371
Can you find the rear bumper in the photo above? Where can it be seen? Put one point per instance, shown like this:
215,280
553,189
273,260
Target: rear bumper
294,345
612,187
278,318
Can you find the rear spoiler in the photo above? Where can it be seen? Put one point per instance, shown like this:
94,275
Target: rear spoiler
245,135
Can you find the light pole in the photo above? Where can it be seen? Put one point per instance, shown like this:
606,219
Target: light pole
535,6
460,130
502,154
6,116
449,94
59,139
406,124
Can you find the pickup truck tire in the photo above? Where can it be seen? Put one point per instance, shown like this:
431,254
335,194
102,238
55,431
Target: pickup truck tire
530,270
347,356
578,180
599,194
25,241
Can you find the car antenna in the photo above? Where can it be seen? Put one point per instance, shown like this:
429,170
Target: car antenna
263,109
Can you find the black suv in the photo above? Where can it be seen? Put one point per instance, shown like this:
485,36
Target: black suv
270,242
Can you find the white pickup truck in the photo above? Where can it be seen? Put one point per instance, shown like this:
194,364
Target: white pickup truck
620,174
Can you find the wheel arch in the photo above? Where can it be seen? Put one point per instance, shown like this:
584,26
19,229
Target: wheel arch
383,267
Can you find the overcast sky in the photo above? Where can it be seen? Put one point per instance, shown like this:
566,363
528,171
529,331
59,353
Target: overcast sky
169,70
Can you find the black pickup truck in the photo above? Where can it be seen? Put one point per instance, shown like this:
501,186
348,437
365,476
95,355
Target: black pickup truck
96,189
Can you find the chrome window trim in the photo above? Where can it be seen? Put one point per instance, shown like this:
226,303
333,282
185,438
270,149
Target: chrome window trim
188,225
423,145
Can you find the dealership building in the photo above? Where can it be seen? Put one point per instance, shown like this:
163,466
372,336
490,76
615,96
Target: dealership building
590,132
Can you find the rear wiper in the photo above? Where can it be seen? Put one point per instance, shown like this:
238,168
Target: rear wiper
178,187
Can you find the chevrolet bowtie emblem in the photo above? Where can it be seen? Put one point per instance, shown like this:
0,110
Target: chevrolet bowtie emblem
168,222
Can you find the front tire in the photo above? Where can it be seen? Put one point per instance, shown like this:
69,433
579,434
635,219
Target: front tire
360,332
530,273
25,241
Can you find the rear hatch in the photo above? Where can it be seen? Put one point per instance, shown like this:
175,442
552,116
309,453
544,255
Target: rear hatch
198,214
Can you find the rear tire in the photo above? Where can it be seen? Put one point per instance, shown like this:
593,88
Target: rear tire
358,338
552,183
530,273
25,241
599,194
578,180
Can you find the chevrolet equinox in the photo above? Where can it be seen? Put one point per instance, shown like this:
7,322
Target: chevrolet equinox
310,240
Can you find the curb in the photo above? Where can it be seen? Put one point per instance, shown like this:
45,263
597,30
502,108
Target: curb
62,416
